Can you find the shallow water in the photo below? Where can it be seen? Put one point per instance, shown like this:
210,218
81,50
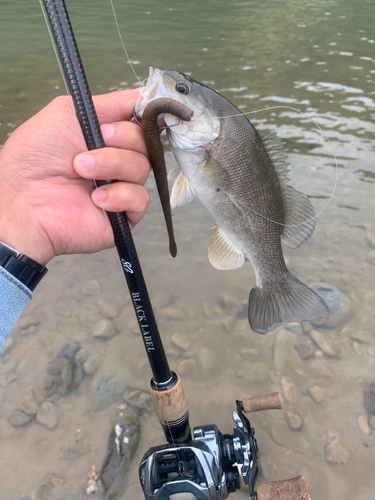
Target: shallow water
315,56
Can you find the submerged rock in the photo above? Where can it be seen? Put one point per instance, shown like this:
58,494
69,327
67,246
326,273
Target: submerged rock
335,452
104,329
340,306
91,364
123,442
8,346
305,350
71,375
28,402
107,391
69,350
19,418
369,398
322,343
56,365
289,390
47,415
140,400
91,288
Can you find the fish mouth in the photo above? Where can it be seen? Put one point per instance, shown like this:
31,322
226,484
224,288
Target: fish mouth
152,90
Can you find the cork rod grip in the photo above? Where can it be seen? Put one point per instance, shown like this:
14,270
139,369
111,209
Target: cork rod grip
289,489
271,401
170,405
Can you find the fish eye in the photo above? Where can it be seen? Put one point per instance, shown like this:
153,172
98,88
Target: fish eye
183,88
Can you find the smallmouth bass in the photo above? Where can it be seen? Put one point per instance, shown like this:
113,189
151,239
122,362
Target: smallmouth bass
239,175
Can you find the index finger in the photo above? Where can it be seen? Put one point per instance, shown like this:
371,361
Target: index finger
116,106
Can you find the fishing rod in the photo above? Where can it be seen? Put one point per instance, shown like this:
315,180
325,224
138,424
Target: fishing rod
206,467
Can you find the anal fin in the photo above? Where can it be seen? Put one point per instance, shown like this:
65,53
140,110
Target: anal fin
223,253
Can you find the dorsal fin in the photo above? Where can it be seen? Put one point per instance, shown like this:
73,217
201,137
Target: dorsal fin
299,214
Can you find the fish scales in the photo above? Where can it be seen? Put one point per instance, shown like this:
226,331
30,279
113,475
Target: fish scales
240,177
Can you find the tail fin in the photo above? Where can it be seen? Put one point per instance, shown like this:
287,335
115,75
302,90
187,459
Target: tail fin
291,300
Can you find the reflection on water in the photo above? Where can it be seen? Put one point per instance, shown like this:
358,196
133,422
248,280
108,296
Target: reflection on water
315,56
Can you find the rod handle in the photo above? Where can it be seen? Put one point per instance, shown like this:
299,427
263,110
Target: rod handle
273,401
288,489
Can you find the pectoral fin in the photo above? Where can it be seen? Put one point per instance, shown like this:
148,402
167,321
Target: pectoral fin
182,191
223,253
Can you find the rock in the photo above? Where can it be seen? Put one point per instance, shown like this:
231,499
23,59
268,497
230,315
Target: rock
69,350
363,425
371,422
369,398
207,359
294,327
91,288
8,346
18,418
305,350
187,366
107,391
28,402
318,354
70,376
28,321
56,365
340,306
91,365
8,367
289,390
174,313
47,415
50,388
317,394
322,343
294,420
104,329
123,443
139,400
371,257
306,326
335,452
180,341
46,485
370,237
362,336
110,310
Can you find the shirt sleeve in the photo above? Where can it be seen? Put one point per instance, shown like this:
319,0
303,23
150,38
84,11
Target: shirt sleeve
14,296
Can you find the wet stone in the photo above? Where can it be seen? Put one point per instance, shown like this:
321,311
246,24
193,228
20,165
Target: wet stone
289,390
70,376
181,341
305,350
294,420
19,418
322,343
294,327
47,415
91,288
104,329
340,306
55,366
369,398
8,346
362,336
174,313
28,402
8,367
317,394
140,400
108,390
371,257
107,308
187,366
335,453
363,425
91,365
69,350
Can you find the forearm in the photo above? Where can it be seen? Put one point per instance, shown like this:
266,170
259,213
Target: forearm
13,298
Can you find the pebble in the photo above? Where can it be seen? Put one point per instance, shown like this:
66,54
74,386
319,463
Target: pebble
363,425
340,306
104,329
28,321
139,399
369,398
91,365
181,341
8,346
289,389
294,420
18,418
294,327
317,394
8,367
108,308
318,354
322,343
28,402
207,359
362,336
70,376
69,350
335,452
187,366
56,365
47,415
174,313
305,350
371,257
108,390
91,288
50,388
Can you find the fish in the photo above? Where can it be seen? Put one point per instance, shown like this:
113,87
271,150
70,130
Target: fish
240,177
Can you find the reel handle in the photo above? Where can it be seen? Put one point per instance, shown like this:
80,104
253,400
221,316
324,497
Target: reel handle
288,489
273,401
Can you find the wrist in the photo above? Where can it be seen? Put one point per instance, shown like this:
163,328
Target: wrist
27,244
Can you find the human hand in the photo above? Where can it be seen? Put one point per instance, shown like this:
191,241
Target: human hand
48,202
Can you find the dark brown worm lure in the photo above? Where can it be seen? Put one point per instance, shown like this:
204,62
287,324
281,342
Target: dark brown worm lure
156,152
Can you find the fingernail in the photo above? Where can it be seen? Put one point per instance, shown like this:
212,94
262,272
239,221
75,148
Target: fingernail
99,196
86,162
108,131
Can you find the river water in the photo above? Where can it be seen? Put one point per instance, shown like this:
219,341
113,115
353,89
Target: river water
316,57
